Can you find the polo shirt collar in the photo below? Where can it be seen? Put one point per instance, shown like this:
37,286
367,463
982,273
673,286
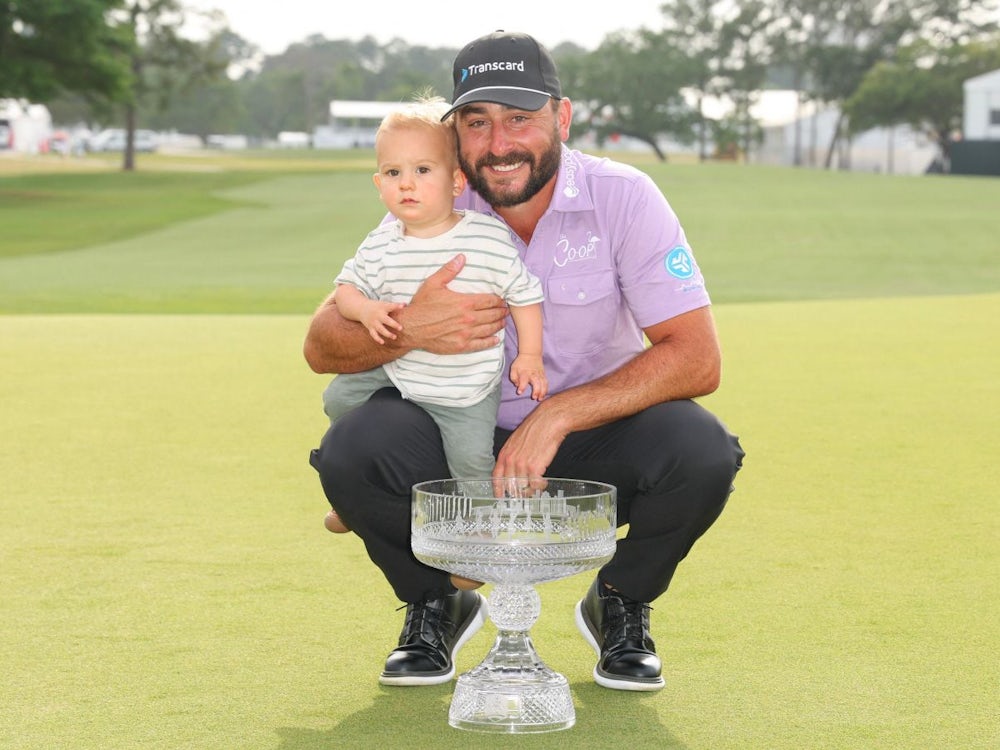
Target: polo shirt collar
572,191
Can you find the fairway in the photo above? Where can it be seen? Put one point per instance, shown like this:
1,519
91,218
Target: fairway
167,583
272,243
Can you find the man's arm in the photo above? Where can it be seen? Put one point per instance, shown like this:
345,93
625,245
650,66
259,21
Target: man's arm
437,320
683,361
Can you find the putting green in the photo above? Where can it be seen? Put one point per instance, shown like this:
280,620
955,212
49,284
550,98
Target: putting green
167,582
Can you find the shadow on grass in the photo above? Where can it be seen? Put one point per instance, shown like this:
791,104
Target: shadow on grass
419,717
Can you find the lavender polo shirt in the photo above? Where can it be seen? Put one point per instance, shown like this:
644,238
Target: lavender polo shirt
613,259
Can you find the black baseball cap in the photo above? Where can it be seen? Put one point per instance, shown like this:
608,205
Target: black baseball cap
505,68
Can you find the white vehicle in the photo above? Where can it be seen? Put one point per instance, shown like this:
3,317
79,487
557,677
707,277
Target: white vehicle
113,139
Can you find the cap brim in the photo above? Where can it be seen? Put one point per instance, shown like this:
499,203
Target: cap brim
527,99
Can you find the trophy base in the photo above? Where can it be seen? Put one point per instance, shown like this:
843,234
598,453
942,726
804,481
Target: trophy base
512,691
518,703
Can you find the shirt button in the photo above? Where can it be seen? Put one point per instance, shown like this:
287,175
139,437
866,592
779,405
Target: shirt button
581,295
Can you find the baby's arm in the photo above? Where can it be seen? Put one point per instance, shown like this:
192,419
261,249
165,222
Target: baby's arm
373,314
527,368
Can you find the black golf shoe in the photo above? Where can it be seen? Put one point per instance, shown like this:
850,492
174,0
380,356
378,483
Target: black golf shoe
433,632
618,630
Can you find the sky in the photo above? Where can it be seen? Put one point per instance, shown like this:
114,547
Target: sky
273,26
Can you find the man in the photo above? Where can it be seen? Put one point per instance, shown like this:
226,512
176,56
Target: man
615,265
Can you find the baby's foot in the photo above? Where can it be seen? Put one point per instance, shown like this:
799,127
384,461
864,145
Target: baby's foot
333,523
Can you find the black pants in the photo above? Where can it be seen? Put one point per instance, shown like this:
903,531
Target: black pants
673,465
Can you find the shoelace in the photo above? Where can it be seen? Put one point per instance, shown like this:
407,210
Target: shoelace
422,618
627,620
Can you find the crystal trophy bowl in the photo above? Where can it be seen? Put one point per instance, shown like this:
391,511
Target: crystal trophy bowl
513,533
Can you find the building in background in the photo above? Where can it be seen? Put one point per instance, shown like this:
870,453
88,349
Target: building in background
352,124
981,120
979,150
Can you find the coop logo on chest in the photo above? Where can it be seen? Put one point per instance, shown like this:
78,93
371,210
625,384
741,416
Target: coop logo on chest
567,253
679,263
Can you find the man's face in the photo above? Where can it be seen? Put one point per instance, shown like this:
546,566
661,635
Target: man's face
507,154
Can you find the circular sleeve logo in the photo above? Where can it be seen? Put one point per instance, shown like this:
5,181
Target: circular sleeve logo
679,263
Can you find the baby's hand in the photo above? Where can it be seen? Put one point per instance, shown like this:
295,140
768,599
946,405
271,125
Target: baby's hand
527,370
380,324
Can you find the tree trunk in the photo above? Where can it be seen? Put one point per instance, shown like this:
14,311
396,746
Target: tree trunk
813,135
748,123
944,143
656,149
797,143
890,161
702,134
833,141
651,140
128,163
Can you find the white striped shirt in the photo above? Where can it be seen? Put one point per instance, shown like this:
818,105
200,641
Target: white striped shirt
391,266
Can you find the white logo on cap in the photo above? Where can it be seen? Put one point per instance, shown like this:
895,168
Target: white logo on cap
490,66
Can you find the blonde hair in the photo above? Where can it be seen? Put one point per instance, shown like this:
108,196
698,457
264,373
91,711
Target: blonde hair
425,111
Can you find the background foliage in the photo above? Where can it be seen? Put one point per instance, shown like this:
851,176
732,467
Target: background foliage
128,62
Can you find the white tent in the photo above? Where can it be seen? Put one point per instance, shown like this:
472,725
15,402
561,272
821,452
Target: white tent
981,119
895,150
24,127
352,124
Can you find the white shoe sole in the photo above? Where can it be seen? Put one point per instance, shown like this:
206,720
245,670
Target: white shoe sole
603,679
471,629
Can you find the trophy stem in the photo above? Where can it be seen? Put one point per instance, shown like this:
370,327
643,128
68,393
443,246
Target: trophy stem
512,690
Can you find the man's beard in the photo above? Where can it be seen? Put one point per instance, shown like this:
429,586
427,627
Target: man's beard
540,174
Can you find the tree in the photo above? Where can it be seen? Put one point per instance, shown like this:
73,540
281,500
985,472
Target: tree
696,28
721,42
204,109
276,101
745,66
213,104
830,44
161,61
922,87
856,35
791,38
631,85
945,23
325,69
48,47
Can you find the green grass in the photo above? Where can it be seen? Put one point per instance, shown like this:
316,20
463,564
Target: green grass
166,581
44,213
261,242
779,234
275,247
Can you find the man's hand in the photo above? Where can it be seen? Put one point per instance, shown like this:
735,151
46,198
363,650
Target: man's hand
441,321
531,447
437,319
683,362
